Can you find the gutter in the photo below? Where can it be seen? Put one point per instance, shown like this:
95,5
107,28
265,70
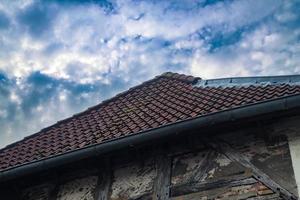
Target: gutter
247,111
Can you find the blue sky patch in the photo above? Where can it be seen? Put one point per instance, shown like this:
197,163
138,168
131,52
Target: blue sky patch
37,18
4,20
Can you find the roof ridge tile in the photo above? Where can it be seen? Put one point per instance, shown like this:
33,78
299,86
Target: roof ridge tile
180,77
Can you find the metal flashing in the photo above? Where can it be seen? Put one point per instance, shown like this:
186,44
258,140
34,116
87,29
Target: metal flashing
247,81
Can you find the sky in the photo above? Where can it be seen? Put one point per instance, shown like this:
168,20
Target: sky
58,57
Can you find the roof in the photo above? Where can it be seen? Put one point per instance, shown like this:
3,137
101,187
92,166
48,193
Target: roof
164,100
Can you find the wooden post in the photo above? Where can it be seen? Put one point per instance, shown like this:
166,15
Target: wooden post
163,177
54,192
104,181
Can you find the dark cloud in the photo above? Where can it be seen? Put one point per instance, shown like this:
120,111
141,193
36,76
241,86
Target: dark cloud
212,2
4,20
37,18
187,5
218,39
107,6
39,89
4,86
3,78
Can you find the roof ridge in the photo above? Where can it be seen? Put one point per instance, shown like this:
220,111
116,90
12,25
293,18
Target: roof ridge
181,77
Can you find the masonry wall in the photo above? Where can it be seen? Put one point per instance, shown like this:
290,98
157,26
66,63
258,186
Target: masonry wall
242,164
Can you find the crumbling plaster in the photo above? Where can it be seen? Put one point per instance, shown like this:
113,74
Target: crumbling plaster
294,144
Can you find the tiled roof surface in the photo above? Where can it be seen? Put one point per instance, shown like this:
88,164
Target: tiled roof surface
165,99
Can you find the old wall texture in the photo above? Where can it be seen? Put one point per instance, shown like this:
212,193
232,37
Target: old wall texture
242,164
291,128
40,192
294,144
133,181
83,188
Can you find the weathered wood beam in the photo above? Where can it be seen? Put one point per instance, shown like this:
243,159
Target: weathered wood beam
267,197
54,192
55,182
104,180
234,155
205,166
163,177
187,188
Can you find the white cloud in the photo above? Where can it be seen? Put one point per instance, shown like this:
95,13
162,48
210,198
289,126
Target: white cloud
270,49
85,44
92,39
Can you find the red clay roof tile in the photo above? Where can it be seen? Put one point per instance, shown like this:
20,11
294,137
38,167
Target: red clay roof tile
168,98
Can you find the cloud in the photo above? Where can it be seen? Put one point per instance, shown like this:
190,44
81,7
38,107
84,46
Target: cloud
65,35
29,104
66,55
269,48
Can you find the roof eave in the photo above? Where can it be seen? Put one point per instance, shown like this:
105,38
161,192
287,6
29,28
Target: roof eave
244,112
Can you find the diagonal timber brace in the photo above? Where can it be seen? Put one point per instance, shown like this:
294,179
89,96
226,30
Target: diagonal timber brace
232,154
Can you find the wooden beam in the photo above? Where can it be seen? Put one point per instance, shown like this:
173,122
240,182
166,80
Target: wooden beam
163,177
234,155
208,185
54,192
205,166
267,197
55,182
104,180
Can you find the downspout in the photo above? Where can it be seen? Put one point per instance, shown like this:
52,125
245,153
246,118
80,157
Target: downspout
247,111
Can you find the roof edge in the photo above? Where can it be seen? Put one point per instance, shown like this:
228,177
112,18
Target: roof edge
247,111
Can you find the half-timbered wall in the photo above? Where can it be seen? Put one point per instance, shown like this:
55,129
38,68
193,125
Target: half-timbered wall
252,163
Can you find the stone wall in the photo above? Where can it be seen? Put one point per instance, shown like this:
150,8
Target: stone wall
225,167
